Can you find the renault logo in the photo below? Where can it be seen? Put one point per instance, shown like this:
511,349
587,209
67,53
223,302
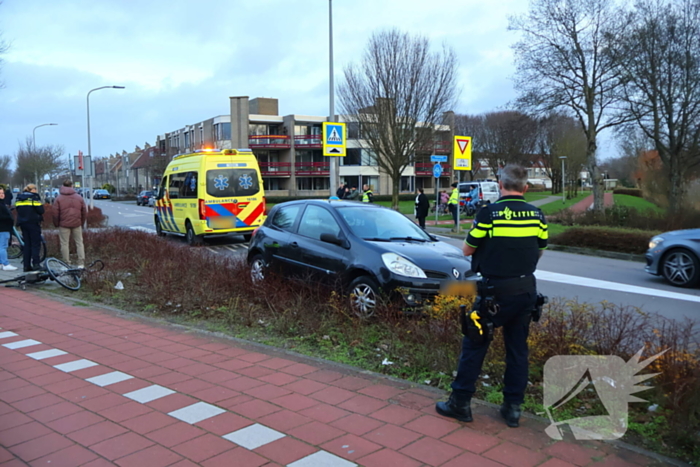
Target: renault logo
455,273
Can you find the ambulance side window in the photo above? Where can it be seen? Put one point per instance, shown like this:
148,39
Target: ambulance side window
189,186
163,186
176,181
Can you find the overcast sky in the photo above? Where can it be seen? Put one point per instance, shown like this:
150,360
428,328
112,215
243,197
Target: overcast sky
180,60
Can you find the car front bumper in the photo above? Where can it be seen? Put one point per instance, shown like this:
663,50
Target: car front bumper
652,266
415,292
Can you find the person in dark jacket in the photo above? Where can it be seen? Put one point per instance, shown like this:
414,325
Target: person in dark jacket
422,206
6,223
340,192
8,195
30,214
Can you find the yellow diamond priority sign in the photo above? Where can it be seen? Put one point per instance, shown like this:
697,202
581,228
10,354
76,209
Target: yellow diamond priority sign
462,150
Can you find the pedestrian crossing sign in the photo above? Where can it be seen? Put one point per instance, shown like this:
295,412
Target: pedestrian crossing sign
334,139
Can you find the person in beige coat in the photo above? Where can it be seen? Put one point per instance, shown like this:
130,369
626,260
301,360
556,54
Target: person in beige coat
70,215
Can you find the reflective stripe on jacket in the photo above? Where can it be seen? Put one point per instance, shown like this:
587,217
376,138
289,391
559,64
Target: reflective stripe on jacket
29,208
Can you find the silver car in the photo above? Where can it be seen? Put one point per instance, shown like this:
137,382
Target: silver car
676,256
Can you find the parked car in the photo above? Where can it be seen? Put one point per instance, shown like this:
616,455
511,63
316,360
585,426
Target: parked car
488,190
675,256
368,250
102,194
142,198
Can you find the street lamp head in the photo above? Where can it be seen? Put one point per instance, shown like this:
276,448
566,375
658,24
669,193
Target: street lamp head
118,87
562,157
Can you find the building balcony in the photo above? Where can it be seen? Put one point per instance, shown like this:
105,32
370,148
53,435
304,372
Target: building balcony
423,169
269,142
275,169
312,169
438,147
308,141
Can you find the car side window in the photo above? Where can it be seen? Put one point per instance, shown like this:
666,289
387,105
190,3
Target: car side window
316,221
284,217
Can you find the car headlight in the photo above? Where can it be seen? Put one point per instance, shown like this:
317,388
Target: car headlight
401,266
654,242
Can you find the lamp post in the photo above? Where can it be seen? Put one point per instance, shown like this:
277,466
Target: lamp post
563,193
92,198
36,176
333,172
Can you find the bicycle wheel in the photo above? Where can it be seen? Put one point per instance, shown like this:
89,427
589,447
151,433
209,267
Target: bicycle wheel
14,250
42,252
63,274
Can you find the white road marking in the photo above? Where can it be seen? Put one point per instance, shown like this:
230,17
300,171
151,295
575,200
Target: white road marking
196,412
46,354
109,378
75,365
149,394
21,344
616,286
6,334
254,436
322,459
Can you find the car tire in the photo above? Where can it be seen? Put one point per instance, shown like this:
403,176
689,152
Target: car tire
192,238
681,268
159,227
363,297
258,269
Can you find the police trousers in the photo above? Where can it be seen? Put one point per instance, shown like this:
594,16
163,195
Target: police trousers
31,236
514,316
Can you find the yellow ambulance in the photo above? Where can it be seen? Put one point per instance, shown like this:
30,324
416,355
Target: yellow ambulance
210,192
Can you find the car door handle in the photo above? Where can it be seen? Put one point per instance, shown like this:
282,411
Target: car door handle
294,245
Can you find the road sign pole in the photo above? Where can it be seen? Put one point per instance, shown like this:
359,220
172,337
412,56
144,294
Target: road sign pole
437,200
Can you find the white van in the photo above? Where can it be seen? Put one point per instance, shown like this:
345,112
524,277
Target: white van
488,190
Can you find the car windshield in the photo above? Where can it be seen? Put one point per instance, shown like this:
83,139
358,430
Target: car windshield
381,224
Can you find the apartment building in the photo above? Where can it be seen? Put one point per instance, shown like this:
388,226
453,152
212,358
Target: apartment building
289,150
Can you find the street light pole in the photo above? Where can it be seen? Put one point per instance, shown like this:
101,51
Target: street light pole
333,159
563,193
90,193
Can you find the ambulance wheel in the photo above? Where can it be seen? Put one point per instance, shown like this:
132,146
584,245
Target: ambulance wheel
159,228
192,239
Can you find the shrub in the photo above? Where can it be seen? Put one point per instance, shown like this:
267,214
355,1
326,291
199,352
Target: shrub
109,187
95,218
631,218
604,239
628,191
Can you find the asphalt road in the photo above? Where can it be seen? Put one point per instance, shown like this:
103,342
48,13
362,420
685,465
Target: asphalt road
584,278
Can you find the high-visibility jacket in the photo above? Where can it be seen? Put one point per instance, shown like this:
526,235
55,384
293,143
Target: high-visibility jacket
454,197
29,208
367,196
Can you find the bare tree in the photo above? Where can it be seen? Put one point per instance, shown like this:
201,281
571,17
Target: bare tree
399,94
660,60
561,136
5,170
34,162
4,47
561,65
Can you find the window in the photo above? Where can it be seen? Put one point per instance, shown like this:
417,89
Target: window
316,221
174,187
285,217
369,157
222,131
229,183
353,157
189,186
407,184
353,130
313,183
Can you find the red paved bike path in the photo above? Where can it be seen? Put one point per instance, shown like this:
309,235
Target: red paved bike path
229,404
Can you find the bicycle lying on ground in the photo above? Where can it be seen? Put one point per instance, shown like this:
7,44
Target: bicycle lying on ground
16,246
58,271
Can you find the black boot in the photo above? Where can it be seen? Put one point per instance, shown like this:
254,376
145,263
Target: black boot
456,407
511,413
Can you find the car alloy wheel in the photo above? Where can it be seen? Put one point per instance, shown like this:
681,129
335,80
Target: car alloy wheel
681,268
364,297
257,269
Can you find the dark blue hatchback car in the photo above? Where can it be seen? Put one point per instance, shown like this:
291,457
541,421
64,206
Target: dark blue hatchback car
365,249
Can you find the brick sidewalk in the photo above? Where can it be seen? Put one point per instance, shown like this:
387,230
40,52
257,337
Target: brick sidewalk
587,202
88,387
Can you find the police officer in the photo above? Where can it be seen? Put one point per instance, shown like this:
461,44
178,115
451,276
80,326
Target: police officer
506,242
453,204
30,211
367,194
